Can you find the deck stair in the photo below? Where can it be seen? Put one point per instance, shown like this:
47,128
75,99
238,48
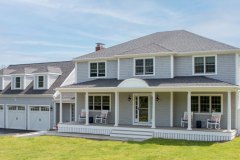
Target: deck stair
131,133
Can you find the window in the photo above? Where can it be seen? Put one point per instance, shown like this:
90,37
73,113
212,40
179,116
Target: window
17,82
97,69
144,66
205,65
40,81
206,103
99,102
1,107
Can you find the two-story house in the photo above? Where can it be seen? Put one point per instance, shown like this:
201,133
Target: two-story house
27,94
147,84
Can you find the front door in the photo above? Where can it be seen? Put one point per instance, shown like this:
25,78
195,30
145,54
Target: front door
141,107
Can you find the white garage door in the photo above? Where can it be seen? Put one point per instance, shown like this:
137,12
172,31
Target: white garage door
16,117
39,118
1,116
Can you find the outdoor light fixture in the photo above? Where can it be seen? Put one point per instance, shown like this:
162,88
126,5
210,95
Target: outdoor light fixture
129,98
157,98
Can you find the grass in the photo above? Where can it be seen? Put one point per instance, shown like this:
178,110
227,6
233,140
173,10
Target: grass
50,147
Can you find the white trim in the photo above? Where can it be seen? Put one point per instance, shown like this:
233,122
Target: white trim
237,69
229,110
89,69
171,109
204,65
87,108
76,112
60,109
26,95
237,110
68,77
172,65
116,109
189,128
153,110
118,68
144,66
54,114
13,83
76,70
210,103
110,102
44,82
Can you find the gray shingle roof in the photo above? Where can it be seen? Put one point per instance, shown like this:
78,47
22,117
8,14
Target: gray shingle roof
190,81
65,67
178,41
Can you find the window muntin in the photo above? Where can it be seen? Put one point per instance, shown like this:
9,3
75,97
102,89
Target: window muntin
206,103
97,69
40,81
144,66
17,82
99,102
205,65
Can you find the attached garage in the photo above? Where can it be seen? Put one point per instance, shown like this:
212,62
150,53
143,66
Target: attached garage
2,117
16,117
39,118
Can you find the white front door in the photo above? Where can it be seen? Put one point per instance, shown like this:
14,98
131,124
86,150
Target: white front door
142,109
2,116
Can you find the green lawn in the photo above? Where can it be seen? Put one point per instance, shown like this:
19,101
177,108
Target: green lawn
50,147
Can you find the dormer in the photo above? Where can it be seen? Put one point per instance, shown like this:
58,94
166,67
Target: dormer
44,80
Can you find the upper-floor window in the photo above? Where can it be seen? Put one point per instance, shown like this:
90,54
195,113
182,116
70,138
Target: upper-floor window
206,103
40,82
205,65
97,69
144,66
17,82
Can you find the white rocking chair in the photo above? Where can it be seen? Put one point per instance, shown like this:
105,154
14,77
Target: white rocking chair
215,120
184,119
102,117
82,116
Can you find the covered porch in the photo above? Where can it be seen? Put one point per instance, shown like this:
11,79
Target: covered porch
143,111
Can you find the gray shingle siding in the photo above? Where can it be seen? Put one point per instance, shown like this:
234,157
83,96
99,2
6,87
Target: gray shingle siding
83,71
225,67
162,68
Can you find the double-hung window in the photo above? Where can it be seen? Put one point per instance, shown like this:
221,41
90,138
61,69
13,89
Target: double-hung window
17,82
206,103
97,69
99,102
205,65
144,66
40,82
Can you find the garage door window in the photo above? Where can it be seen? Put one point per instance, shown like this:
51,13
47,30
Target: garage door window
35,108
12,108
21,108
44,109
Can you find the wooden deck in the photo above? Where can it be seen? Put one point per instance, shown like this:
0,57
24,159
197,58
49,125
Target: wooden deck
196,134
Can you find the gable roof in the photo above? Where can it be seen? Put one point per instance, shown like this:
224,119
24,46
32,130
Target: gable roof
178,42
65,67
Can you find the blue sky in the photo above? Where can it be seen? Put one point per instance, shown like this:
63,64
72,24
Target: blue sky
54,30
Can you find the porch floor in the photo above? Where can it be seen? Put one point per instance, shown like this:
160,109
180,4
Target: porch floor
148,127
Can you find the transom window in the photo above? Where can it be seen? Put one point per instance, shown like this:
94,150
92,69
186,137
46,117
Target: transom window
206,104
97,69
40,81
17,82
144,66
205,65
99,102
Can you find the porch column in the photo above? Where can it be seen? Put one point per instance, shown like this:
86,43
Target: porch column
153,110
237,109
60,116
75,107
55,114
116,109
171,109
86,108
229,112
189,111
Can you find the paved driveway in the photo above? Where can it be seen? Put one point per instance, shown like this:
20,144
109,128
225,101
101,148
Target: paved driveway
12,132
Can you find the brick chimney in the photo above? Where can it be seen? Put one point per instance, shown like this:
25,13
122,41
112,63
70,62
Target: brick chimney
99,46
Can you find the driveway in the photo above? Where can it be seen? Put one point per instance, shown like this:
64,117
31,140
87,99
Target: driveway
5,132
